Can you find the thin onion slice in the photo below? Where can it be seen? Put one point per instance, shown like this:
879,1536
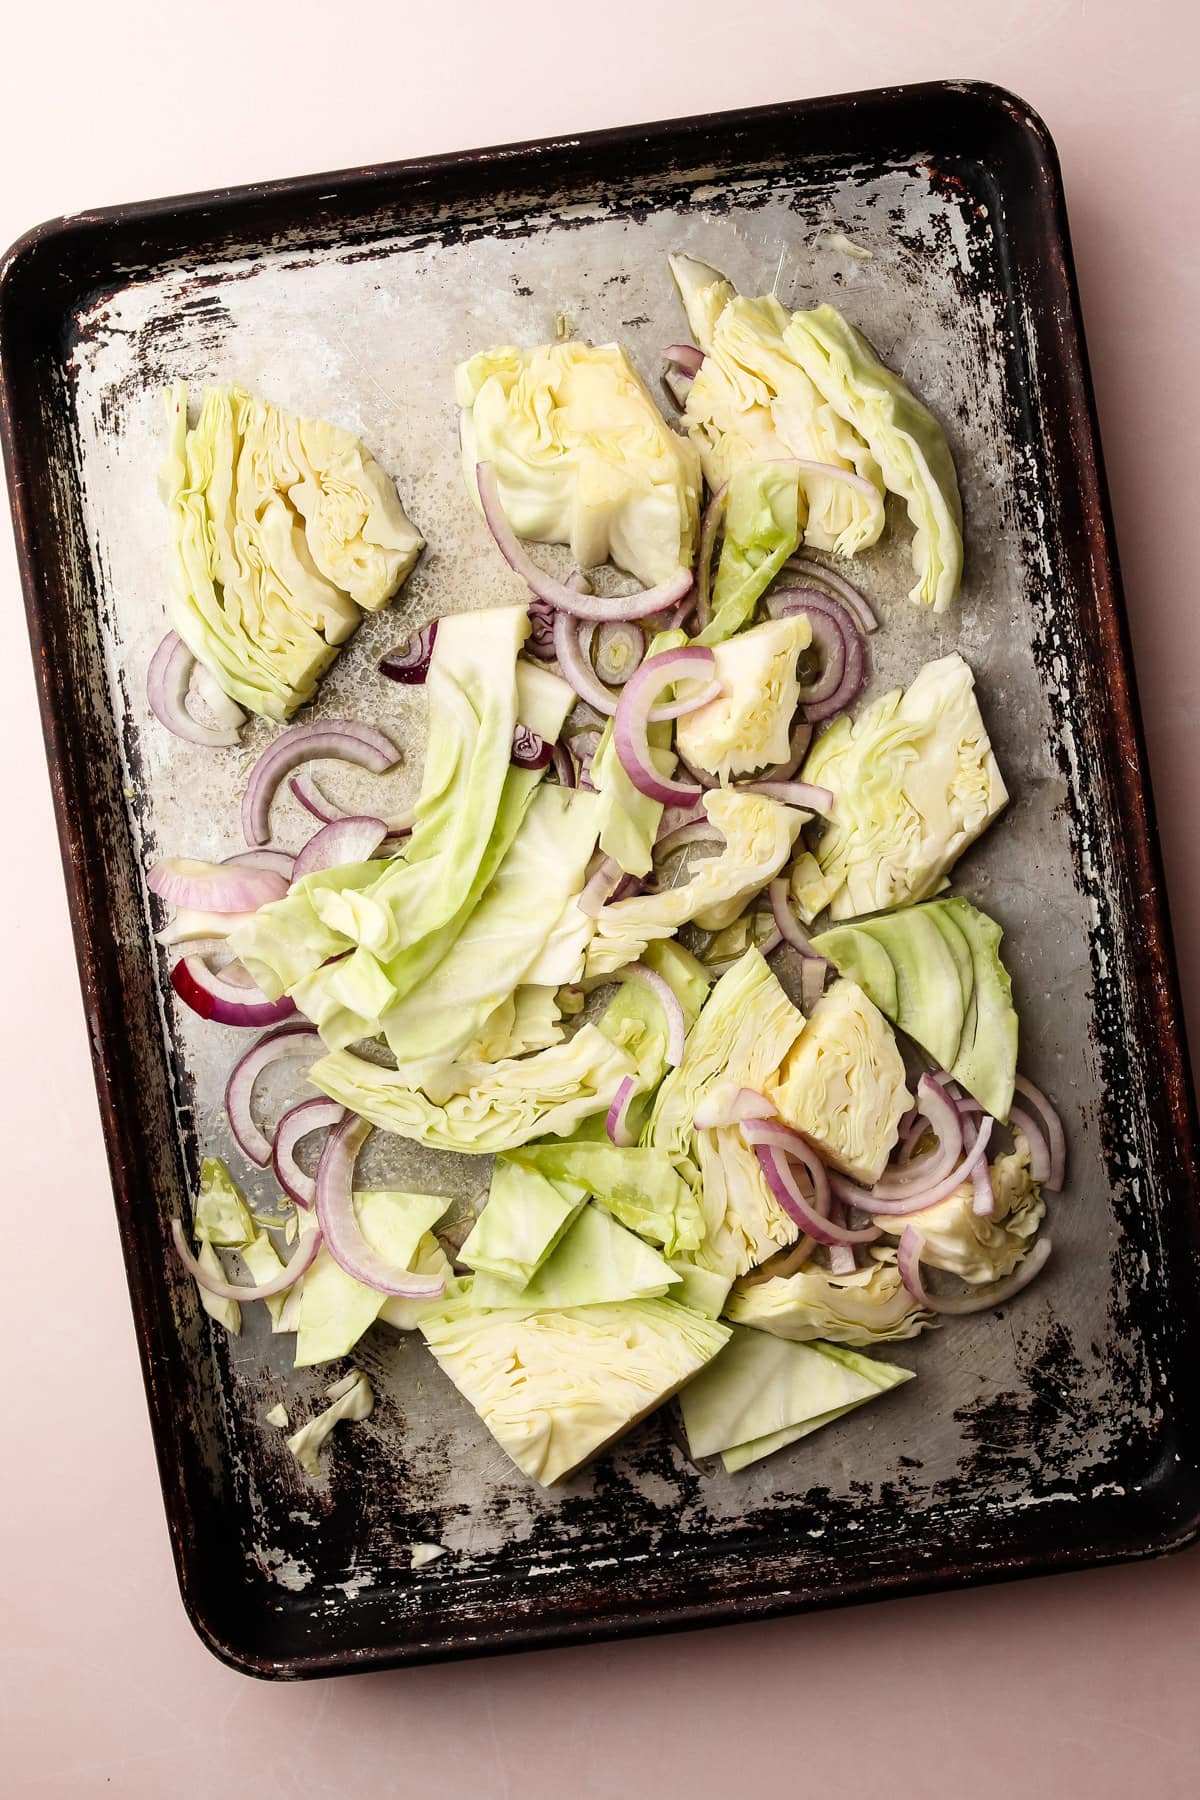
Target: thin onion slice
671,1005
346,740
921,1197
279,862
599,888
409,662
790,928
1056,1137
909,1263
287,1041
168,680
775,1165
793,793
201,988
826,614
349,840
685,357
339,1223
710,525
807,566
620,648
635,709
310,1115
571,654
616,1123
983,1203
227,715
564,765
1035,1137
301,1260
939,1113
813,971
314,800
213,887
583,606
728,1105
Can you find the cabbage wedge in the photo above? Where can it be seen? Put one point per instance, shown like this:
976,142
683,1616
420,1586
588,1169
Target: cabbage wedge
843,1084
749,724
764,523
870,1306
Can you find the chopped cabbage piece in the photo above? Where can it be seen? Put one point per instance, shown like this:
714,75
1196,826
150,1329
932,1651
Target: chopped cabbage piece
278,1415
582,454
640,1187
753,402
526,1216
422,1555
870,1306
842,1084
758,833
555,1388
704,1290
978,1249
914,782
764,521
220,1216
282,528
483,1106
596,1261
763,1392
226,1312
430,1259
353,1398
749,724
335,1309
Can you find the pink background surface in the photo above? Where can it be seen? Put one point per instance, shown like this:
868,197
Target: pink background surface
1080,1685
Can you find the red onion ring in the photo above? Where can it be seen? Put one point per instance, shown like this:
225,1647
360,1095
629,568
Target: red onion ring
540,642
343,739
810,569
790,928
308,1116
564,765
1056,1137
227,715
350,840
213,887
599,888
710,525
1035,1137
202,989
685,357
729,1106
813,971
793,793
670,1002
797,751
571,654
409,662
774,1161
940,1114
530,750
279,862
923,1197
288,1040
616,1124
315,801
983,1203
909,1262
302,1259
168,679
822,700
635,710
339,1223
569,599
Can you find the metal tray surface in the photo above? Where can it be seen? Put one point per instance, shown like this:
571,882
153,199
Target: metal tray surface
1056,1432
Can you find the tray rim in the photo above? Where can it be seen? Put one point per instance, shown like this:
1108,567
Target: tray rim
1128,1536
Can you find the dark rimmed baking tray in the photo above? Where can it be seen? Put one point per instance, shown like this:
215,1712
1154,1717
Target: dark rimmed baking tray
1064,1432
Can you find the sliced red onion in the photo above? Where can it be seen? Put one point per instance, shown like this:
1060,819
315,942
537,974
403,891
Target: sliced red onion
570,650
790,928
564,765
279,862
315,801
1035,1137
1056,1137
351,840
797,751
339,1223
940,1114
810,569
727,1105
672,1008
599,888
530,750
699,831
835,632
301,1260
213,887
202,989
540,642
227,715
289,1040
627,888
583,606
297,1123
921,1197
634,712
168,679
793,793
909,1262
620,647
983,1203
829,641
710,525
775,1165
409,662
617,1123
346,740
685,357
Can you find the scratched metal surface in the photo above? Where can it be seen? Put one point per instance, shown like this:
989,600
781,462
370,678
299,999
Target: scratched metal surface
1046,1402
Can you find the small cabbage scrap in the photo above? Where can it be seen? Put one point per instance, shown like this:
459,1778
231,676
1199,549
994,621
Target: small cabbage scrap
762,1393
525,1217
869,1306
749,724
978,1249
764,522
483,1107
914,782
906,441
744,1033
421,1555
335,1309
582,454
555,1388
753,402
759,835
282,529
842,1084
352,1398
220,1216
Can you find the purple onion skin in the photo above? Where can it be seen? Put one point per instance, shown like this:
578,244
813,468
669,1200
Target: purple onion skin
409,662
530,750
540,642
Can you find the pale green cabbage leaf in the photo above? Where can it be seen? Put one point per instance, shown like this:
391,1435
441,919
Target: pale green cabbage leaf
595,1262
749,724
764,522
352,1398
335,1309
843,1083
870,1306
525,1217
640,1187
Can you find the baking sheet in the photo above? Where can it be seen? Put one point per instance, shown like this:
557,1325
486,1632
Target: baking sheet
1054,1401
